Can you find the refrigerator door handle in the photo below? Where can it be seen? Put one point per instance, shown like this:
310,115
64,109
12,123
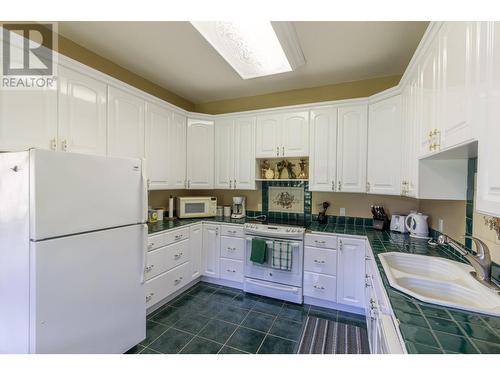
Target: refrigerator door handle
143,252
144,192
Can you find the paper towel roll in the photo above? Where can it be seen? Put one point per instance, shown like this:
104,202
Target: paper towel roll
171,207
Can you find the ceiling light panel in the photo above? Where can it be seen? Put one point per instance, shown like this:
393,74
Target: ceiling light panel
251,48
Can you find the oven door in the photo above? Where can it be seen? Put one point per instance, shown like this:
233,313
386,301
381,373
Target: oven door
266,272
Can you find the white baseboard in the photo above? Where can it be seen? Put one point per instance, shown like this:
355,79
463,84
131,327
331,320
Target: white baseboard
333,305
170,297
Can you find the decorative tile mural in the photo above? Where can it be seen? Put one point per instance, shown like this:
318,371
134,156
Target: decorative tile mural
287,216
286,199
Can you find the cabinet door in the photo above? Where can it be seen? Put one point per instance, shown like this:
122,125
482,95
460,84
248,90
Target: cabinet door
244,153
200,154
158,121
28,118
125,124
224,153
195,246
351,271
429,138
384,147
413,136
268,136
352,148
488,171
456,46
82,113
177,154
295,134
211,249
323,150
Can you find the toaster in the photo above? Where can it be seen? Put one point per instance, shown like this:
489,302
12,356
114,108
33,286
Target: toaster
398,223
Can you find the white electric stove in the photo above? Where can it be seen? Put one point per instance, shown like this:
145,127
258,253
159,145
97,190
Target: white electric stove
265,280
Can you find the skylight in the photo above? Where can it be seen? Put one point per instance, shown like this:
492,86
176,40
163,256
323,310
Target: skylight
252,48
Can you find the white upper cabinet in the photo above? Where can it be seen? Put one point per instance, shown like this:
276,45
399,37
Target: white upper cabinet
268,138
125,124
28,118
200,154
177,155
352,148
323,150
429,139
295,134
244,153
224,153
409,136
158,120
457,52
282,135
235,153
384,147
488,169
82,113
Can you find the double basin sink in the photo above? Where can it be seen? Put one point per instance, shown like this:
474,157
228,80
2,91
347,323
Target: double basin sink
440,281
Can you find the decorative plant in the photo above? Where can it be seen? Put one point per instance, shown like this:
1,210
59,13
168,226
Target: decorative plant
493,223
285,164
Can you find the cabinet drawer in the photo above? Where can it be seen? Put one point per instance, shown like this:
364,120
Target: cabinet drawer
233,231
319,240
166,258
232,247
176,236
320,286
231,269
167,283
156,241
320,260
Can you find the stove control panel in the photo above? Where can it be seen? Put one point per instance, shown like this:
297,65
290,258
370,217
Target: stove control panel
274,230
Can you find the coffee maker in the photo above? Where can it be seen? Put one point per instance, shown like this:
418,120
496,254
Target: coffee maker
239,208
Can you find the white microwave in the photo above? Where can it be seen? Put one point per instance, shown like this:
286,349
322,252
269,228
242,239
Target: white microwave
191,207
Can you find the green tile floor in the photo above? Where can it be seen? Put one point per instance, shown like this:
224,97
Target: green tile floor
211,319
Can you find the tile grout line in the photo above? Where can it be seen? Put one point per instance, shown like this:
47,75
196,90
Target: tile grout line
269,329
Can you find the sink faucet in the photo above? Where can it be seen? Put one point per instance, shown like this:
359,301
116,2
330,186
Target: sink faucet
481,262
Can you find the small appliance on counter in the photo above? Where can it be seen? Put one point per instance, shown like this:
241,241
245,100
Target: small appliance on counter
239,207
398,223
380,219
416,224
194,207
322,218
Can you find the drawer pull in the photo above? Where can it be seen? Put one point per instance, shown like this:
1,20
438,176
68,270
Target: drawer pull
319,261
228,270
177,281
149,268
231,248
150,246
232,231
319,287
178,237
177,256
149,297
319,242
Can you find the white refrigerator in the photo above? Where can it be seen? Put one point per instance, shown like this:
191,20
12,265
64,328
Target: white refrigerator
72,253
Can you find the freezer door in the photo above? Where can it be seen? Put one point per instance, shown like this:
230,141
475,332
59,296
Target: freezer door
87,293
75,193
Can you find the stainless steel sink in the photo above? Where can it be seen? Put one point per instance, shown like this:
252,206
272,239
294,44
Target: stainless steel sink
440,281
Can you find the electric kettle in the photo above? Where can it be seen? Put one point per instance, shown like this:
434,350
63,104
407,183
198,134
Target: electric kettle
416,223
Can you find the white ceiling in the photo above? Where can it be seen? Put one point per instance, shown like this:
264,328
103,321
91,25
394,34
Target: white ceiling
175,56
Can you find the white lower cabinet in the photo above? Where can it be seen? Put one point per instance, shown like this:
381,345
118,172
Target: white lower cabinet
351,271
211,252
166,258
231,269
232,248
161,286
320,286
195,248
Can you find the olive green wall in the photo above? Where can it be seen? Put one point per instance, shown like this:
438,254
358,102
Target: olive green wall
75,51
339,91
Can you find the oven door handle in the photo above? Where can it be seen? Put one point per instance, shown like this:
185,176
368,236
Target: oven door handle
267,285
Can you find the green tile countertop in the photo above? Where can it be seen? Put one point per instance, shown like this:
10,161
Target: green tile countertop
426,328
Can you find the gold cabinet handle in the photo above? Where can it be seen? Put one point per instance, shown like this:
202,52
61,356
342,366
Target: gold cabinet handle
278,151
340,186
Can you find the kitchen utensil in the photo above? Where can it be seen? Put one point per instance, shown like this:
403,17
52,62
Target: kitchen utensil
416,224
322,218
398,223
